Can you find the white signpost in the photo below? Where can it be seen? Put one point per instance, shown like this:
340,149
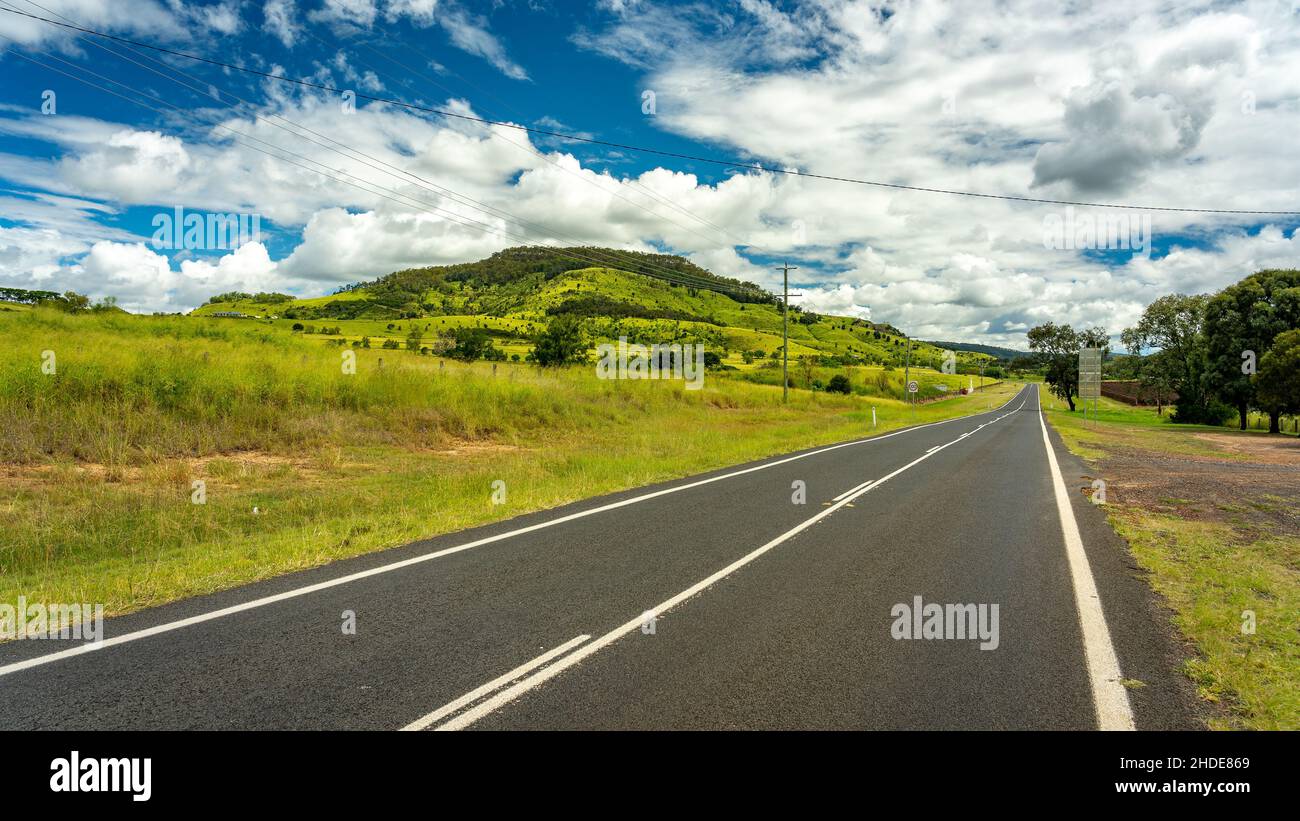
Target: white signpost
1090,379
913,386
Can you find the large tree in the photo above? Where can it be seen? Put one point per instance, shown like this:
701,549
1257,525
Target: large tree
1278,381
1057,349
1172,325
1241,322
562,343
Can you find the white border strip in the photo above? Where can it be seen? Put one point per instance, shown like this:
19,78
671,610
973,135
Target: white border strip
1109,697
539,678
81,649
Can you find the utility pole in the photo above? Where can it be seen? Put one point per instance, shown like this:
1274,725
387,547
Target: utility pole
785,269
907,375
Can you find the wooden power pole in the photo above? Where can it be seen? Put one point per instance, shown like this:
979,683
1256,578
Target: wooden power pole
785,331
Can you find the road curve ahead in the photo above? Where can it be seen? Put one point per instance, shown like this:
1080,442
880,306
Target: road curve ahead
943,576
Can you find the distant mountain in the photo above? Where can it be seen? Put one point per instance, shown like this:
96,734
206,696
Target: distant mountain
514,293
991,350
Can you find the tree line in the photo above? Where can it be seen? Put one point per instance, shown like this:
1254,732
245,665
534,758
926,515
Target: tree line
1222,354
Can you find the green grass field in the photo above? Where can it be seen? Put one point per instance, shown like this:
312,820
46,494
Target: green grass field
1210,553
100,458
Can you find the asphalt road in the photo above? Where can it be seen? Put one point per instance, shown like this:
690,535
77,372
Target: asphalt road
710,602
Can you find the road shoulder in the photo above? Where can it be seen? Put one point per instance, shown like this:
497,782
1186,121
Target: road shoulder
1151,651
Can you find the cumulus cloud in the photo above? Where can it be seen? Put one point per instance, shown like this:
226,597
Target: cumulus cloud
133,166
341,246
144,280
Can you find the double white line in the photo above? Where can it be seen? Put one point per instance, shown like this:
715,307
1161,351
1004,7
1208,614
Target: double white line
544,670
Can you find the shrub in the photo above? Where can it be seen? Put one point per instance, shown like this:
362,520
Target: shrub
839,384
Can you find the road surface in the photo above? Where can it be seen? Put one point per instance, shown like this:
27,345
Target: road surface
716,601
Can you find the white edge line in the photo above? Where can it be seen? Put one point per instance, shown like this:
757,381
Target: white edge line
495,684
136,635
1109,697
508,695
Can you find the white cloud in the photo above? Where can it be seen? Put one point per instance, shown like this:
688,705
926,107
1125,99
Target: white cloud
281,20
359,13
134,166
144,280
420,11
139,17
338,246
32,255
470,34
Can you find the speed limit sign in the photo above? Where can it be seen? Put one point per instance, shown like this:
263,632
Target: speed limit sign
913,387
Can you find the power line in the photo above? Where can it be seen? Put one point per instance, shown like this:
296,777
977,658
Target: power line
392,194
602,258
461,199
642,149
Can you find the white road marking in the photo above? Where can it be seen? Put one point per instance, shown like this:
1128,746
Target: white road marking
82,649
1109,697
504,697
850,490
495,684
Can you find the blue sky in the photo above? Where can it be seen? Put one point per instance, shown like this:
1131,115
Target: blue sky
1189,106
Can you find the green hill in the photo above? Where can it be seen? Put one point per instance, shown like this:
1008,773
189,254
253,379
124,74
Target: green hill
515,292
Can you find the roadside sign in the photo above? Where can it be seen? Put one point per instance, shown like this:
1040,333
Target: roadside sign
1090,379
1090,374
913,387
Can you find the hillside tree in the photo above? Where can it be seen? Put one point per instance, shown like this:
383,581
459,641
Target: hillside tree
563,342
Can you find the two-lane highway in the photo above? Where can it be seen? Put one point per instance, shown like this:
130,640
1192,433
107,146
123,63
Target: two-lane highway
717,601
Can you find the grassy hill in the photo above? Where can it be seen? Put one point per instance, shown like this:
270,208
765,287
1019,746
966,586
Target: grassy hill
514,293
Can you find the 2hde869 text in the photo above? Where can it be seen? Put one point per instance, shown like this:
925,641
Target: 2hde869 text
1175,763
